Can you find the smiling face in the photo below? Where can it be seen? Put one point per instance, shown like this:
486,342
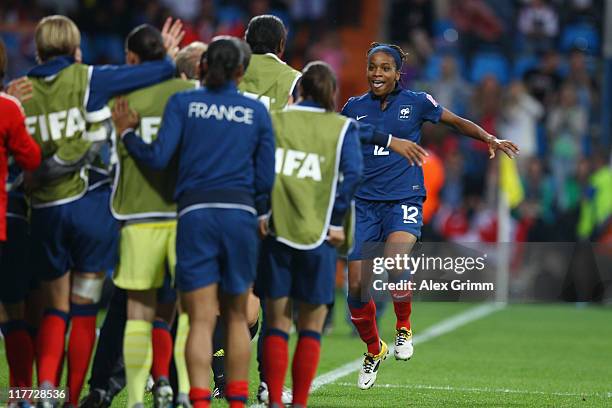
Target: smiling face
382,73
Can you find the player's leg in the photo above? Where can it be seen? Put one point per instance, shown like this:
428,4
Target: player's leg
218,359
402,226
197,277
201,306
52,333
311,319
218,363
253,307
51,260
314,273
276,348
238,346
16,278
108,371
399,243
274,285
141,272
163,344
85,294
239,244
92,238
180,340
137,346
368,234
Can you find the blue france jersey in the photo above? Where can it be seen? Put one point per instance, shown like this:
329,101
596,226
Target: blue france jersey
386,174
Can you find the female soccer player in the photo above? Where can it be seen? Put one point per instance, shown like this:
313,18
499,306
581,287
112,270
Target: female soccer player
75,234
298,260
225,148
390,199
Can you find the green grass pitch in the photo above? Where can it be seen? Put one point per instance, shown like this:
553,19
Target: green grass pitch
519,356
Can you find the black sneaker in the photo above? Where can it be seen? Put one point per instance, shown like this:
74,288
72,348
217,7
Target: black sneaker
96,398
163,396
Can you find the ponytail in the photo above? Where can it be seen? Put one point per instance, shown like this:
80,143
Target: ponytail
223,58
318,83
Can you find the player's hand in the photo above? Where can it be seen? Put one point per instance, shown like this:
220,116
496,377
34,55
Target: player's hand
124,117
506,146
20,88
263,227
414,153
173,34
335,236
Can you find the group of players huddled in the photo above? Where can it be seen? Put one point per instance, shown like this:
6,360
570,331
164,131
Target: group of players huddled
214,180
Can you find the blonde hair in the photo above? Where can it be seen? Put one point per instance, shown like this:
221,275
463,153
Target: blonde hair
56,35
188,59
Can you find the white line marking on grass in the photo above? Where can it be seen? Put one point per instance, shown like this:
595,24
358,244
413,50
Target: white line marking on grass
445,326
475,389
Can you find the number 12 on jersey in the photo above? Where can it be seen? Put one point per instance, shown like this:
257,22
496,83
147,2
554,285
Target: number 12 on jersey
410,214
380,151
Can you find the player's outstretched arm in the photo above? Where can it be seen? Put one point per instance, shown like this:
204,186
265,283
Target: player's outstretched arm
469,128
172,33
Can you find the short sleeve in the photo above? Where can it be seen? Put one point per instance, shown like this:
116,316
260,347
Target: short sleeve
431,109
346,108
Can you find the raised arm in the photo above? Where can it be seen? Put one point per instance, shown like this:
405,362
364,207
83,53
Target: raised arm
474,131
112,80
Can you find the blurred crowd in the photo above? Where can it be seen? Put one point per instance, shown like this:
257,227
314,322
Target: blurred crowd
528,71
525,70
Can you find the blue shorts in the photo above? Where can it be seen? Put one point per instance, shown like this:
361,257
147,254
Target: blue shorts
305,275
80,236
216,245
16,272
376,220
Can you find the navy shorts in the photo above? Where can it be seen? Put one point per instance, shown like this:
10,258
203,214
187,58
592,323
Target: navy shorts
16,272
305,275
216,245
80,236
376,220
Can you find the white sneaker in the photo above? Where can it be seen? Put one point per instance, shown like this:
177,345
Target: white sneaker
370,366
403,344
263,395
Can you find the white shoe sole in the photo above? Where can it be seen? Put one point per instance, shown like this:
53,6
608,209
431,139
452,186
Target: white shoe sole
371,384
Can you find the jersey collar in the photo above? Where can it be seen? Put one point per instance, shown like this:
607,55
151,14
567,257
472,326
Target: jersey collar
308,103
51,67
274,56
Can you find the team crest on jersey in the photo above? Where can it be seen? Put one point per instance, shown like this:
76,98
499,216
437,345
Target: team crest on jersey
404,112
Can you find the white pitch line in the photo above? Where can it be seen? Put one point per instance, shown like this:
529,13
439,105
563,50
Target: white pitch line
475,389
445,326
